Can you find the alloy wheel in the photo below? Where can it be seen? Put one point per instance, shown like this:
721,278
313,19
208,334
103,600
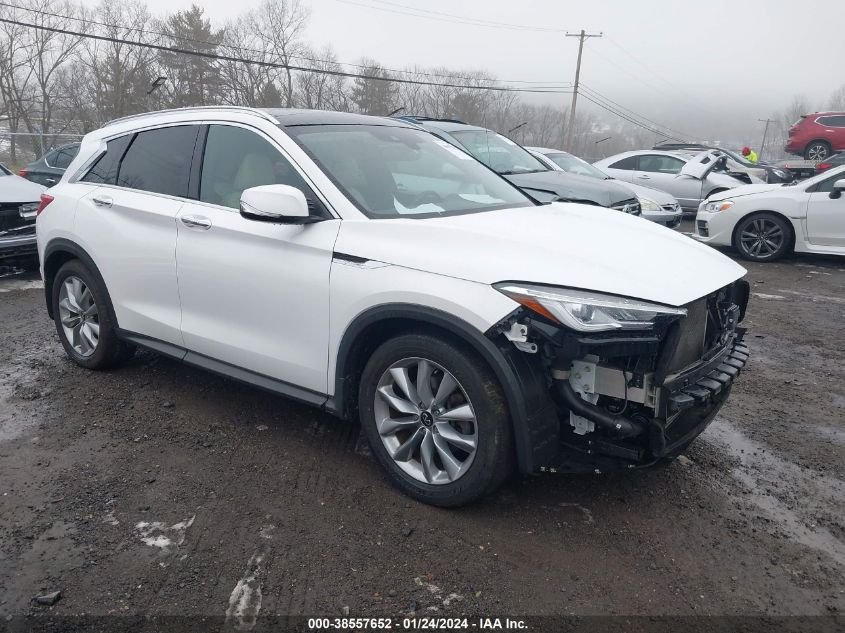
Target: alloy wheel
426,421
817,152
761,238
79,316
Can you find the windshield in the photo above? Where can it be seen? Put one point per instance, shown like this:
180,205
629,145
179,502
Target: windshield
574,165
392,172
499,153
4,171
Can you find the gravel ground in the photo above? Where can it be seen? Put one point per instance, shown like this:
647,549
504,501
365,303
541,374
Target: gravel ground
159,489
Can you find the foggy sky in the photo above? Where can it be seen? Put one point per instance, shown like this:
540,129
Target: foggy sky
705,67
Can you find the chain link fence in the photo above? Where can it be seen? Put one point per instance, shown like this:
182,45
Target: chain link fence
17,149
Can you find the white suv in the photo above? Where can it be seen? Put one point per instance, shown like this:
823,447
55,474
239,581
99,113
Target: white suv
366,267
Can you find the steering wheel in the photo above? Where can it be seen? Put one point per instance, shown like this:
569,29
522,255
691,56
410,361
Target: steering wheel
427,197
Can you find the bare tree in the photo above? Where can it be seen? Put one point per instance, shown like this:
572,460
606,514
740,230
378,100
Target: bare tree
110,79
34,62
279,26
322,90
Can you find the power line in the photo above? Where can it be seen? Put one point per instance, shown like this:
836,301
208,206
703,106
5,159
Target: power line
628,118
278,65
440,16
538,84
599,95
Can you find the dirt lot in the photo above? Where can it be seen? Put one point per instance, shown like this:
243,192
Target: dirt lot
160,489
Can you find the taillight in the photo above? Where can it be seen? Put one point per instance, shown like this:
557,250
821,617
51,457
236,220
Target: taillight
46,199
23,172
823,166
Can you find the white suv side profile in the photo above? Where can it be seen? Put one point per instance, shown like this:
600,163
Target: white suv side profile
366,267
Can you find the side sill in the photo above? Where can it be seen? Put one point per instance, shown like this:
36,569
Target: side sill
229,371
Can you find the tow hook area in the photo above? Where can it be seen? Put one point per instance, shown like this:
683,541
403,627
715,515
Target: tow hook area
518,335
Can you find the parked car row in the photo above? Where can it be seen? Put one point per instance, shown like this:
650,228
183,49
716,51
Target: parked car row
378,271
690,178
655,205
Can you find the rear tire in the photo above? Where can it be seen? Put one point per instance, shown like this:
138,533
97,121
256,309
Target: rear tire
82,314
454,448
763,237
817,150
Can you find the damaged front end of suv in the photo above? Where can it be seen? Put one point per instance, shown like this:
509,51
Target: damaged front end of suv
619,383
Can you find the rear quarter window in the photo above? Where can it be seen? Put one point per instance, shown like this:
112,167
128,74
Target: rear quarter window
629,163
104,170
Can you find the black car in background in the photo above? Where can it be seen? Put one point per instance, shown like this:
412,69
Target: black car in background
48,169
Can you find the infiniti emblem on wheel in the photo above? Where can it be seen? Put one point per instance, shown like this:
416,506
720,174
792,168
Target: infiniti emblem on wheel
426,418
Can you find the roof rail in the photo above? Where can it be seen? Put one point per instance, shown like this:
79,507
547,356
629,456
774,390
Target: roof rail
211,108
413,119
681,146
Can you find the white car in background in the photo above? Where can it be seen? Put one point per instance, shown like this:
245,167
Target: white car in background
655,205
765,222
19,200
690,179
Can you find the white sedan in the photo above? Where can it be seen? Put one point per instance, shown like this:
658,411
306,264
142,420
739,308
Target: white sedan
765,222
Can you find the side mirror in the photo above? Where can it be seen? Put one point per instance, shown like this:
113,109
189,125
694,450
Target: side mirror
838,188
276,203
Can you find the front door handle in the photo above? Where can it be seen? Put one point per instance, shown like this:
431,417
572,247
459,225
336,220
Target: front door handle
102,201
196,222
644,177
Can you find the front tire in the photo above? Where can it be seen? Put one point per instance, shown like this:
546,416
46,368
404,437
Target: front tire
82,313
436,420
763,237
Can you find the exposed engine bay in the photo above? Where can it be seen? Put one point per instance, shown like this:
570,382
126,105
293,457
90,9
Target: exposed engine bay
628,399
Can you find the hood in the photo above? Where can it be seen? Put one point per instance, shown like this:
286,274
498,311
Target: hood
744,190
559,244
603,192
641,191
16,189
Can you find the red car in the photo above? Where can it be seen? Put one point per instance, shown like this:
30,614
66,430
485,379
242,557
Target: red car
817,136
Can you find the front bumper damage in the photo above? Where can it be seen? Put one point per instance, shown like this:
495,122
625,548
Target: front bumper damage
618,402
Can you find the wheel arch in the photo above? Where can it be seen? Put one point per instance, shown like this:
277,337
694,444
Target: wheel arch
521,381
789,223
60,251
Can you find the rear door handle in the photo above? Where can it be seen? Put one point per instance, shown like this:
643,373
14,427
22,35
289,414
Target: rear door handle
196,222
102,201
644,177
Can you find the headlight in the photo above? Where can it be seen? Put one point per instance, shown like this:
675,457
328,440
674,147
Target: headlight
28,210
650,206
588,311
719,205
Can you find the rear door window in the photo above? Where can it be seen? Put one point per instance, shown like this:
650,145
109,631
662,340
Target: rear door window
159,160
104,171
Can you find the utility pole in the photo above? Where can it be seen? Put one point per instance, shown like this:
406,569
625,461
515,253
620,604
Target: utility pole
765,131
581,37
